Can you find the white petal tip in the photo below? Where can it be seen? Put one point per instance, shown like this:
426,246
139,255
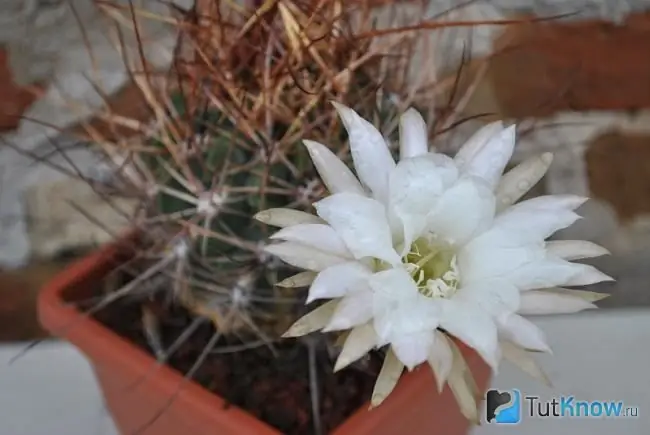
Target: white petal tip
579,200
375,401
344,112
341,364
274,249
570,201
312,146
609,278
547,158
594,276
286,285
290,334
542,348
411,114
598,251
335,326
262,216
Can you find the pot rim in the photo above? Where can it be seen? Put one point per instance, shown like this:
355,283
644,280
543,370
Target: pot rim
99,343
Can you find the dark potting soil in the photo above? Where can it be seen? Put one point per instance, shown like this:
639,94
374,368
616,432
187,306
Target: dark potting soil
273,385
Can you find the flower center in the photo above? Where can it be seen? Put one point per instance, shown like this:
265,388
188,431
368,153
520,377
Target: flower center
433,268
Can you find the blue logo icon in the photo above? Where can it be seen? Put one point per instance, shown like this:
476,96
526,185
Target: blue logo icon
503,407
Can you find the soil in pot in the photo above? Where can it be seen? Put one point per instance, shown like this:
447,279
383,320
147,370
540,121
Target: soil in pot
271,383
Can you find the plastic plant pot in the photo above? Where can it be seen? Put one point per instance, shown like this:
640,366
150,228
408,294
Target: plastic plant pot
156,400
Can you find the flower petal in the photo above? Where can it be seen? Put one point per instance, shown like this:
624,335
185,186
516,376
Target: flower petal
362,224
336,176
524,360
494,254
446,168
582,294
523,333
361,340
586,275
462,385
520,179
552,203
440,358
302,279
285,217
318,236
476,142
575,249
389,374
413,349
398,308
414,187
312,321
541,302
473,327
413,137
370,154
354,309
496,297
336,281
414,184
552,272
536,219
304,257
491,159
465,208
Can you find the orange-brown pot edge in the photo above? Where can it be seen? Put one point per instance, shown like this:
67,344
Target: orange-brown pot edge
155,400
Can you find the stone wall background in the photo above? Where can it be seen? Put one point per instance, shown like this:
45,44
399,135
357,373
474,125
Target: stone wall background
78,52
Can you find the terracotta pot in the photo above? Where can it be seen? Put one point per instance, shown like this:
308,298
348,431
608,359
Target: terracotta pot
414,407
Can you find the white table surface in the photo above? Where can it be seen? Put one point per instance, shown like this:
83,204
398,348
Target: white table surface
598,355
601,355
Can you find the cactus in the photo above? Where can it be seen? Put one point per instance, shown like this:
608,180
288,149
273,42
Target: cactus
228,144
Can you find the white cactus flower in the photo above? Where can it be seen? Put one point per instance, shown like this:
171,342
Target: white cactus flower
430,247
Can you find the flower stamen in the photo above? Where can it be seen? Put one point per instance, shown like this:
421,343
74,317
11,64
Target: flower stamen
433,269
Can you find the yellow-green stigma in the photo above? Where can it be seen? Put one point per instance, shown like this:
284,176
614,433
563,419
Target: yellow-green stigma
433,268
